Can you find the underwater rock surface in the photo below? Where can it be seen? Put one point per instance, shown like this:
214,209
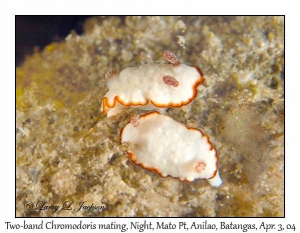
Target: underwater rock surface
67,151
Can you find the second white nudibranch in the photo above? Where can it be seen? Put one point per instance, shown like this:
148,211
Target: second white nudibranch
163,145
151,86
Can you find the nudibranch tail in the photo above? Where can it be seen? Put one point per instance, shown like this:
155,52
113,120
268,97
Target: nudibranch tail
216,180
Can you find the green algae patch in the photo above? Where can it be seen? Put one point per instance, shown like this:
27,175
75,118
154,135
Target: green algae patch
65,90
20,100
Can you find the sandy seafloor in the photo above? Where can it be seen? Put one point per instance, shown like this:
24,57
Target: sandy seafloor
67,151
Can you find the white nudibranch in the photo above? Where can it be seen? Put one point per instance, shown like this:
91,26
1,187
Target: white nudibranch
169,148
151,86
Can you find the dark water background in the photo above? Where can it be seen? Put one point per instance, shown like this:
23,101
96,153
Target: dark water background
32,31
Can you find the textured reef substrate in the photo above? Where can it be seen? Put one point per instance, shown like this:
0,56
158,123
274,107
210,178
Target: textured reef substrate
68,151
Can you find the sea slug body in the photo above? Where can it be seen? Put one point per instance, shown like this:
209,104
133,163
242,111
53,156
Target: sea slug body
151,86
169,148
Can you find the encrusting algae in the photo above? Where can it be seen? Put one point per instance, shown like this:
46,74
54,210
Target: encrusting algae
68,151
